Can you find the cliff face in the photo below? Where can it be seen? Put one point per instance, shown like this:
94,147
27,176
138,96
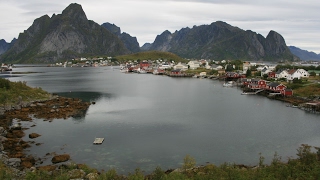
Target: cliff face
64,36
220,40
130,42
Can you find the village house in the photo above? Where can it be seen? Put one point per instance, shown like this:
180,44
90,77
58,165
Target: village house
175,72
272,75
181,66
202,74
275,87
246,66
265,71
194,64
144,64
216,67
297,73
257,84
282,74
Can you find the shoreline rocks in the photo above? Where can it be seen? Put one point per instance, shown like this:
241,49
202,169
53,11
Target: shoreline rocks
11,144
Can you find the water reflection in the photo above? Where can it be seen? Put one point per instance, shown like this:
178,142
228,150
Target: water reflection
86,96
93,97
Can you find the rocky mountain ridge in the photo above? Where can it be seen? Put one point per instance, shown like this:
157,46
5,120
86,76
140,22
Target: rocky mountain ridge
62,37
71,34
304,54
220,40
4,46
131,43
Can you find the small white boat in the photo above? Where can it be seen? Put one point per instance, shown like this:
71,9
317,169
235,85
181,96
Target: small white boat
228,84
142,71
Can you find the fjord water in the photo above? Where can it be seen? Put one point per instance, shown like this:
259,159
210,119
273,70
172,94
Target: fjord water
149,121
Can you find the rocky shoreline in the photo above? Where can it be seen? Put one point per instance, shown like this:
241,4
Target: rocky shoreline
11,132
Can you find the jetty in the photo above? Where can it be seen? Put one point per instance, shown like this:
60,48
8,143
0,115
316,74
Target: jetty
248,93
98,141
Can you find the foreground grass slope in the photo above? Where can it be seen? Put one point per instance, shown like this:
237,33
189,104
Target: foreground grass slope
306,166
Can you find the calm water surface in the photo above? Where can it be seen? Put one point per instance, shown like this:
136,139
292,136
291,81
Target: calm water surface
149,121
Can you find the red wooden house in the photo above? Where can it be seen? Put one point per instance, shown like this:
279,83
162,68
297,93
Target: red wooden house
176,71
287,92
272,75
234,75
144,64
257,84
276,87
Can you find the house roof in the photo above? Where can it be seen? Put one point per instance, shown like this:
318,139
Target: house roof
291,71
274,84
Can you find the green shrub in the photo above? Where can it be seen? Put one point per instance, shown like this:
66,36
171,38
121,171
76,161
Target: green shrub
4,83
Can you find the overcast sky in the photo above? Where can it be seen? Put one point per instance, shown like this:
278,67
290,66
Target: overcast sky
297,21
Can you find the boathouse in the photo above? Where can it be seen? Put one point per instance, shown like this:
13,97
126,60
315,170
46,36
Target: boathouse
276,87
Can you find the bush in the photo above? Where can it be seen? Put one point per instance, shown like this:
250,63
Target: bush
4,83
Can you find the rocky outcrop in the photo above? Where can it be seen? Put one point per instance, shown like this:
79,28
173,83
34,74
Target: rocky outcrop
12,146
130,42
34,135
220,40
60,158
63,36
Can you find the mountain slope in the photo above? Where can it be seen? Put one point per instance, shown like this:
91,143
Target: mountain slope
4,46
303,54
63,36
220,40
130,42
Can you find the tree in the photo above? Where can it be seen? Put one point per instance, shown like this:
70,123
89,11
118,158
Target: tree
312,73
188,162
248,73
265,76
258,73
229,68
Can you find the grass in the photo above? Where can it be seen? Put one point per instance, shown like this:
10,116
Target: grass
305,166
310,90
18,92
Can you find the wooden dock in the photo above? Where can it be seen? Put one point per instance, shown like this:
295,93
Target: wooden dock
98,141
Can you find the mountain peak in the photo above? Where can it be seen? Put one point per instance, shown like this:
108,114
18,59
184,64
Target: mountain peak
64,36
112,28
75,11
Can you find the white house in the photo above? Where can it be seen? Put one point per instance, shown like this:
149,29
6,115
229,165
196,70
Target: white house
297,73
245,66
265,71
216,67
260,68
203,74
282,74
181,66
223,61
194,64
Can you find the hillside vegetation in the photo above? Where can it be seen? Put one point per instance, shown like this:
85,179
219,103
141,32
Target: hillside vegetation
18,92
150,55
